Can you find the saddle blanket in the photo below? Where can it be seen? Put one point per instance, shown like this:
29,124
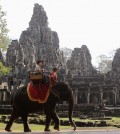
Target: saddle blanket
38,92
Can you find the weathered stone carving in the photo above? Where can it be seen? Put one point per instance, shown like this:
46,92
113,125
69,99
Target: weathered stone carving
12,53
114,75
37,42
80,62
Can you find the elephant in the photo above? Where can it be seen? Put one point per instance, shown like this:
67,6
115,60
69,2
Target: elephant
22,106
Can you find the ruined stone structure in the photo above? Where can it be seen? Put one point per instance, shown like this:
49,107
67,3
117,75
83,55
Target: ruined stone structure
40,42
114,75
93,90
35,43
14,54
3,94
88,85
80,62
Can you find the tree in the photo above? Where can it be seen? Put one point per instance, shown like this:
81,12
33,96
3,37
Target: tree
4,70
4,40
104,63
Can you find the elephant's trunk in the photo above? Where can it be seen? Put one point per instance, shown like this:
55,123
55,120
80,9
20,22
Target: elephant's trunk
71,105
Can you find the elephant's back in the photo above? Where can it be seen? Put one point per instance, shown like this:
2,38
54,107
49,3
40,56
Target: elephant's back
21,101
20,95
22,91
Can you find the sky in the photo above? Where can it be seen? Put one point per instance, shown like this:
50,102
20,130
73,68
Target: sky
94,23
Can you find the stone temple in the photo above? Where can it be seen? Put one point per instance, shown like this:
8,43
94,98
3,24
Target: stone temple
38,41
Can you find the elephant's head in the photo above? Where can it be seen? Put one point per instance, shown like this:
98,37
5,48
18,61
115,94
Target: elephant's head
64,93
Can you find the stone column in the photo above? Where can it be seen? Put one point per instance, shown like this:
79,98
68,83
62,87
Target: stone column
4,96
101,93
76,96
114,95
115,98
88,96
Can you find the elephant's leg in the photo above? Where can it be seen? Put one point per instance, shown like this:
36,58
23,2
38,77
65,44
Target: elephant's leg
14,116
56,120
48,121
25,124
49,110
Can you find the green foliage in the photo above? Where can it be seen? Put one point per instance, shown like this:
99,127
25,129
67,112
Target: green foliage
4,40
4,70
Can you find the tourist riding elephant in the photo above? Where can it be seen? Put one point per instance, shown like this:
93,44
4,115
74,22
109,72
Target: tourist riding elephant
22,106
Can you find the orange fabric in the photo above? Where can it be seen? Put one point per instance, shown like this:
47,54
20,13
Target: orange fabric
38,92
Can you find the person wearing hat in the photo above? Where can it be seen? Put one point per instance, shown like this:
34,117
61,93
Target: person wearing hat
53,76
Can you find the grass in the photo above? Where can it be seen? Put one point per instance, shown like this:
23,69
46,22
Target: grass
35,127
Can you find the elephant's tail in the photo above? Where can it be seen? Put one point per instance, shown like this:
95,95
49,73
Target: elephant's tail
71,105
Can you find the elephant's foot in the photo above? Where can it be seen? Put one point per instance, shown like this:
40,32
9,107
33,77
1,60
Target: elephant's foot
47,129
56,127
8,129
27,130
